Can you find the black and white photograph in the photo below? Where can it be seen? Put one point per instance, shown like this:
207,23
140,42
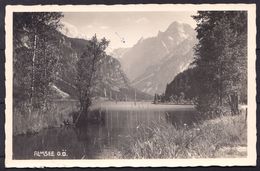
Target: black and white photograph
116,83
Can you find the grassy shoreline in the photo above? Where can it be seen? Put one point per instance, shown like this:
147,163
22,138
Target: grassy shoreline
27,121
225,136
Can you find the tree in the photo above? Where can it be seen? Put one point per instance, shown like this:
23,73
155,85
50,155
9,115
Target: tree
87,72
36,55
155,101
184,82
220,58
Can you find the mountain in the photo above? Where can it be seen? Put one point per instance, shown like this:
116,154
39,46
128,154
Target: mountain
153,62
119,53
112,84
156,77
71,31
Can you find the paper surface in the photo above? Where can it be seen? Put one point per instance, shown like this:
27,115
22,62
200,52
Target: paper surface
121,36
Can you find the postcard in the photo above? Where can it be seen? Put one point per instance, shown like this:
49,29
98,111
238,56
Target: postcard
130,85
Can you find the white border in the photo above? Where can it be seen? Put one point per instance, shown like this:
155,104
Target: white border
251,158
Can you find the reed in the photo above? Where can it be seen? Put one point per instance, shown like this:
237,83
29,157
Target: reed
31,121
221,137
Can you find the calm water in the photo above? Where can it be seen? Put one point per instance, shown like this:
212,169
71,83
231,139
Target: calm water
119,122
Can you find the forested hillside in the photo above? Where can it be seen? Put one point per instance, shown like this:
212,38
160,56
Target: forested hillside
183,86
45,63
36,56
219,78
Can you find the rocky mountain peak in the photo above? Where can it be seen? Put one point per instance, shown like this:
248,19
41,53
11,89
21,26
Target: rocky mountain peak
173,26
154,61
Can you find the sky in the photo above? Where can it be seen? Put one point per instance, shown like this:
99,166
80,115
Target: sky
123,29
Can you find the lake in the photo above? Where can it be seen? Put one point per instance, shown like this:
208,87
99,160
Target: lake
96,140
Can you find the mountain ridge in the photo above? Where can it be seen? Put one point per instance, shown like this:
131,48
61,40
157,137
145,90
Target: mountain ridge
153,62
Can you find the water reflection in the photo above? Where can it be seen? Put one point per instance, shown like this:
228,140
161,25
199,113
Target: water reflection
93,139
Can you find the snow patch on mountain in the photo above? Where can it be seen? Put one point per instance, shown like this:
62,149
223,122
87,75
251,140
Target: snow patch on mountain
184,66
164,45
71,31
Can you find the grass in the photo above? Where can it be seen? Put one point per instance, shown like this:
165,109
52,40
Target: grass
27,121
221,137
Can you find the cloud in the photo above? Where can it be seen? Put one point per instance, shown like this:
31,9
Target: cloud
95,26
142,20
89,26
104,27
